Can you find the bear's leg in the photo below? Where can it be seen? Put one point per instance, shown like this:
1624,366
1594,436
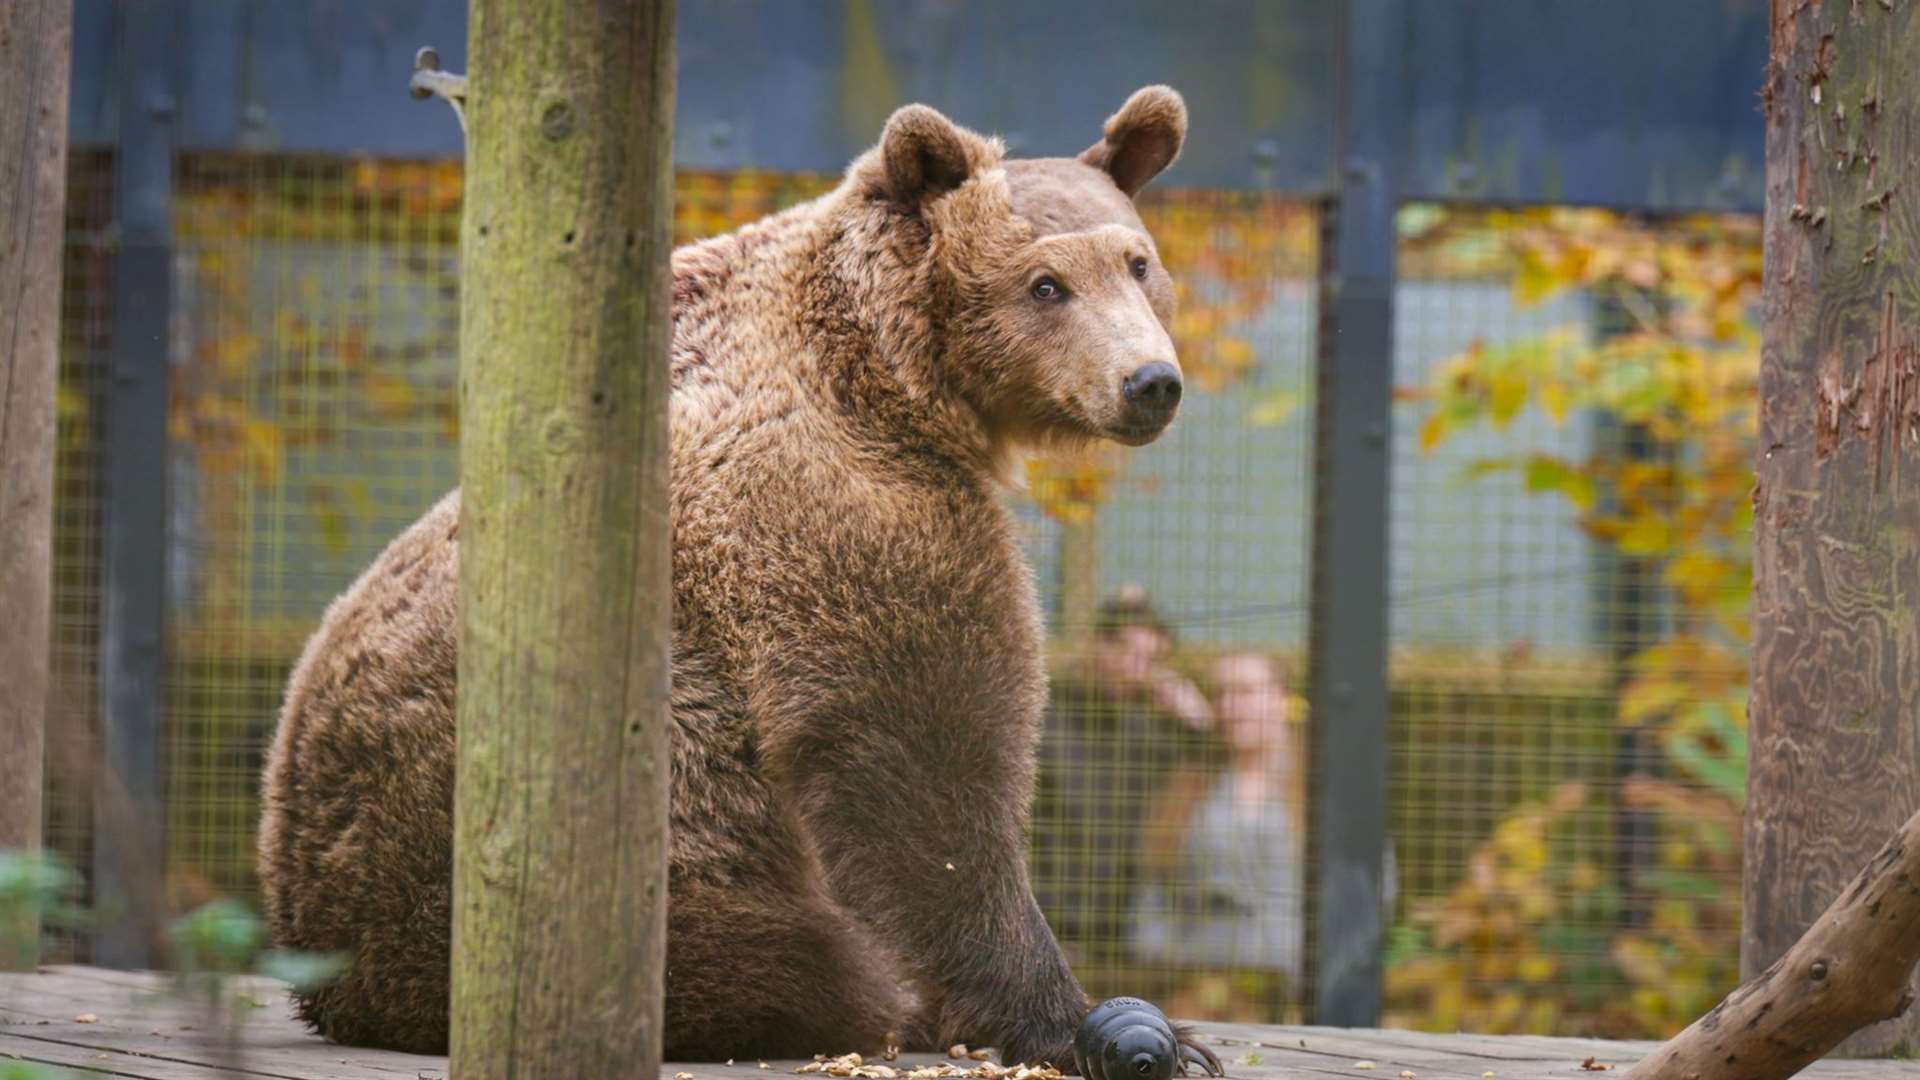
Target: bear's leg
757,971
387,903
393,997
356,857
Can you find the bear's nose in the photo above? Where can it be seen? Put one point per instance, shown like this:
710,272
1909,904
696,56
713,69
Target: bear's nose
1154,389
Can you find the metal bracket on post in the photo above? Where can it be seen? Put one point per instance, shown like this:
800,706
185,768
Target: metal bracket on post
1348,608
430,81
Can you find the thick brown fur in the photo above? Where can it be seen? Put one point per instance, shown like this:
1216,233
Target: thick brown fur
857,681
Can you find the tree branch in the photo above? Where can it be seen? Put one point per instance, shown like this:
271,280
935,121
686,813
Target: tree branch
1852,968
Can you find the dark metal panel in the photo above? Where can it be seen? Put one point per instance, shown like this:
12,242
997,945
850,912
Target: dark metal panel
91,116
799,85
320,75
1045,76
1347,629
1632,103
127,858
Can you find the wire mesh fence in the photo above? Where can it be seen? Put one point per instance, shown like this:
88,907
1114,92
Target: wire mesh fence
85,324
1567,605
1168,834
1570,565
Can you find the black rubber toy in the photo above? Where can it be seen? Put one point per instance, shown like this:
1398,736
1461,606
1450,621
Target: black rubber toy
1125,1038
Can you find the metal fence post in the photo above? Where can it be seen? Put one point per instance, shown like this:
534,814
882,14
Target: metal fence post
1348,628
128,838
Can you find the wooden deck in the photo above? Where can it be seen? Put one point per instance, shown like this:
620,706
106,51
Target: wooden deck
94,1022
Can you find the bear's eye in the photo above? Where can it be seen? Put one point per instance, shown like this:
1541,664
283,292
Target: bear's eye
1139,267
1048,289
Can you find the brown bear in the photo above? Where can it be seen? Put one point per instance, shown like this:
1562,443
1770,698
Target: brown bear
857,677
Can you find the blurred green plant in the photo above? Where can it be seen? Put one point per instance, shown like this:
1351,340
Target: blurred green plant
37,890
224,938
1497,953
27,1070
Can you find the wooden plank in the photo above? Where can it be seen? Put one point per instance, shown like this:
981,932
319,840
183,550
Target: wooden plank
143,1031
109,1062
1279,1050
138,1014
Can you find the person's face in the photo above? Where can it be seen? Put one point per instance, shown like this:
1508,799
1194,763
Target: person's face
1252,702
1130,654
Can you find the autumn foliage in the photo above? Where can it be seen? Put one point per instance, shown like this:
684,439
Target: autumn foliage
1534,937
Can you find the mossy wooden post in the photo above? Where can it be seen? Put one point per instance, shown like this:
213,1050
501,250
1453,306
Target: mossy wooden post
1835,715
35,63
561,791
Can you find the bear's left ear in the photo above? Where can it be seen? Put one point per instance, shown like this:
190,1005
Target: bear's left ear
925,155
1142,139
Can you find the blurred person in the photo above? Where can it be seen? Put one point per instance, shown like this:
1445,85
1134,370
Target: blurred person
1119,720
1227,855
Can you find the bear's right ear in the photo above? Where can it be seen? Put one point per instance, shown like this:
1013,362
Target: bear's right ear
925,155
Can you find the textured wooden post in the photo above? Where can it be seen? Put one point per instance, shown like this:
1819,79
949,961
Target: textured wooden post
1835,738
1853,968
35,61
561,798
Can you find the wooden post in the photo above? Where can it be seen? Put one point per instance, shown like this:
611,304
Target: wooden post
1835,743
1853,968
35,64
560,890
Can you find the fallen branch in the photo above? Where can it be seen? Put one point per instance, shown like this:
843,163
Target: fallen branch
1852,968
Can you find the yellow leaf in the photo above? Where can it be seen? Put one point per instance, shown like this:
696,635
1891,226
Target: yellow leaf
1226,362
1507,392
69,403
1554,399
1646,535
333,526
1533,283
266,448
1275,408
1646,699
1537,969
1639,959
1699,574
389,395
234,354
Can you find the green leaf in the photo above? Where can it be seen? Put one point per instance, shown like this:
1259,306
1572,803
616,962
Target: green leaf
221,935
1725,773
305,971
1681,883
1545,473
35,879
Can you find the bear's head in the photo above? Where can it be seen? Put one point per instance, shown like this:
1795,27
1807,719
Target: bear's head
1053,305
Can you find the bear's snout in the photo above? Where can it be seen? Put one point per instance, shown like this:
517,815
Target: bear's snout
1152,393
